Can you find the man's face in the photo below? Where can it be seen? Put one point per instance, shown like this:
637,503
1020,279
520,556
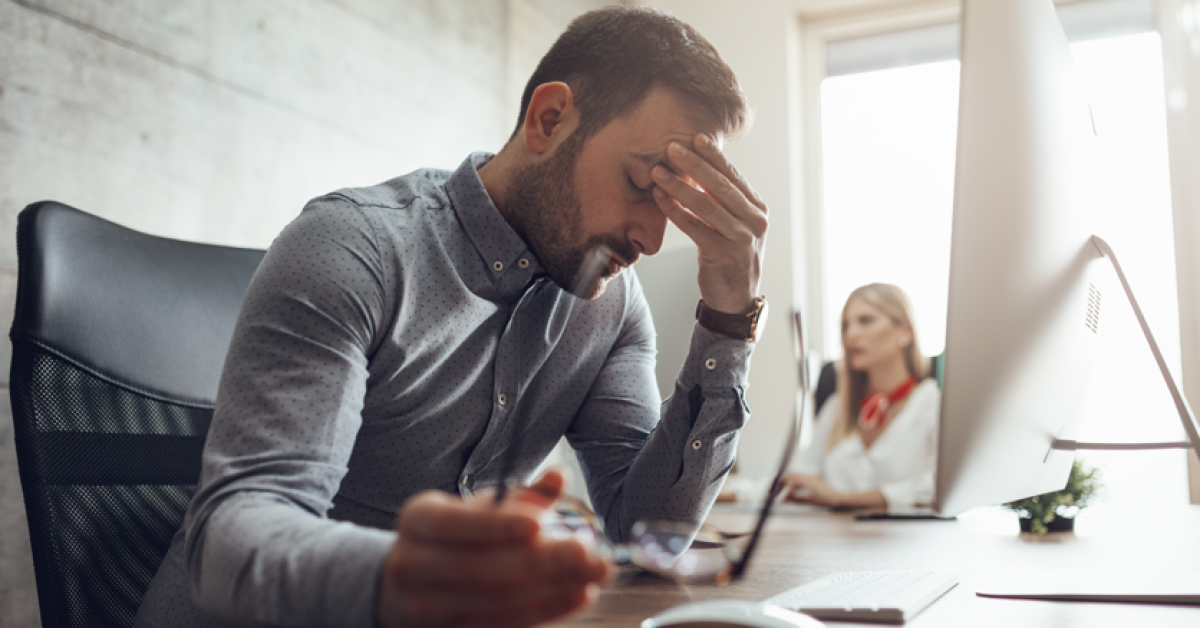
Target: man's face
587,210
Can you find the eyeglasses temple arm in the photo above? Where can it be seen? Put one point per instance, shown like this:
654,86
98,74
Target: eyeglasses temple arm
793,440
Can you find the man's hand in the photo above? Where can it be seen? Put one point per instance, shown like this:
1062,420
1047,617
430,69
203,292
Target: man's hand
467,563
710,202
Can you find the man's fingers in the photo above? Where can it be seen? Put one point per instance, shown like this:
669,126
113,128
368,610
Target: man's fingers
543,492
715,185
445,520
464,563
440,519
703,206
708,149
718,185
693,227
420,567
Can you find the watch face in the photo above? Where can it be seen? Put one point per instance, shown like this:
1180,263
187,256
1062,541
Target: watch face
760,321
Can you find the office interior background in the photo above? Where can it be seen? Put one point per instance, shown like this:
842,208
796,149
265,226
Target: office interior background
215,121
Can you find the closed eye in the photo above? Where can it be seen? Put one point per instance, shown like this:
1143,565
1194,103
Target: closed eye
642,193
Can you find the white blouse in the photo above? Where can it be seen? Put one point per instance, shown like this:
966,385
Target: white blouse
901,461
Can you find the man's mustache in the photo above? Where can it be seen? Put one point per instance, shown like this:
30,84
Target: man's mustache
623,250
600,250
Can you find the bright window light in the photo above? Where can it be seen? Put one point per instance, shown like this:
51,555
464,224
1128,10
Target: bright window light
888,146
888,160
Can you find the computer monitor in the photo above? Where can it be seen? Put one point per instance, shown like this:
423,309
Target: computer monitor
1024,305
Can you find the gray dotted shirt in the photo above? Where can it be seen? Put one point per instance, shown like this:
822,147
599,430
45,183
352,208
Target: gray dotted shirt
394,340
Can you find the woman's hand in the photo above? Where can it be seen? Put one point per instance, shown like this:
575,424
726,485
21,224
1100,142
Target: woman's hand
810,489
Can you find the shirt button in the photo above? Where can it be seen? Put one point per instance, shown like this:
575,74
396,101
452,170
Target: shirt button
523,263
497,266
696,444
710,364
502,398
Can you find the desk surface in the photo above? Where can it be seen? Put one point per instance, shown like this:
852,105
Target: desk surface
798,548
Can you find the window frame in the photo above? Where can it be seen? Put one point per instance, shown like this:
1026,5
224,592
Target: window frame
822,24
816,30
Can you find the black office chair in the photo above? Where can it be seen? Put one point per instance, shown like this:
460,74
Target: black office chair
118,343
827,381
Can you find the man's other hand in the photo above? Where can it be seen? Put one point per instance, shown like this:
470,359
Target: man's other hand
715,206
472,562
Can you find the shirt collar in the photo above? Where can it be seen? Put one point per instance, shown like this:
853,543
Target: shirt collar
495,240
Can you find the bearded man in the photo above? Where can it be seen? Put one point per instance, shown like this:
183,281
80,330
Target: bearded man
402,344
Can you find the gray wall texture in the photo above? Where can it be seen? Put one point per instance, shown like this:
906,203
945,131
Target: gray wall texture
215,120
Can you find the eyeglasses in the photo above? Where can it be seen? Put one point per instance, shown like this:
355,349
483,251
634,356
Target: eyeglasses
684,553
677,550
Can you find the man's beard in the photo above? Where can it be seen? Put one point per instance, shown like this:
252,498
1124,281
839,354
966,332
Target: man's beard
546,211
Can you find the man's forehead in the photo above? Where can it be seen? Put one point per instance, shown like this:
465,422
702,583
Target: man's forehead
659,158
655,159
664,115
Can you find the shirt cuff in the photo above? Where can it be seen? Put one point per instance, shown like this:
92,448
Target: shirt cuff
716,364
358,587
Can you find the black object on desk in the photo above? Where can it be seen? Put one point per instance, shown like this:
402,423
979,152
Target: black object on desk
901,516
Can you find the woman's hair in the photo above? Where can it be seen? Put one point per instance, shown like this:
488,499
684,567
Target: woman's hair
851,385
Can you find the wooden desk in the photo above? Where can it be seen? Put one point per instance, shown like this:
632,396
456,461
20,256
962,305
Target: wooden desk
799,548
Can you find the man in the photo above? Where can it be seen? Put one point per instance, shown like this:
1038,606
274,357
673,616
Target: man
406,337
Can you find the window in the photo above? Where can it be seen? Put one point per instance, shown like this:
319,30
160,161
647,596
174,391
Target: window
888,116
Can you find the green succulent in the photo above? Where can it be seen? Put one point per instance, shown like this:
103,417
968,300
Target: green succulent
1083,485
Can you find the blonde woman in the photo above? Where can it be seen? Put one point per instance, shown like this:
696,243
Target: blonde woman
875,439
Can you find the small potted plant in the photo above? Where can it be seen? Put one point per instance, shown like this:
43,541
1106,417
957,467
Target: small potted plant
1055,512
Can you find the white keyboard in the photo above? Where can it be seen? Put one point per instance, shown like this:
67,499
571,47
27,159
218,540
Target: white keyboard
882,596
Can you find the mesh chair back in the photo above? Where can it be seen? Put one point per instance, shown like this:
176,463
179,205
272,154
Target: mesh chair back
118,342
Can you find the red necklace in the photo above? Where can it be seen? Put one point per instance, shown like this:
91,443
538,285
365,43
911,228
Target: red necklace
874,408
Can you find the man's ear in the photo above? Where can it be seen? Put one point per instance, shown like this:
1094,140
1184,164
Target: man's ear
550,118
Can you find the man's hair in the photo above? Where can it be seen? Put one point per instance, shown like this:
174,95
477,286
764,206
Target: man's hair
612,57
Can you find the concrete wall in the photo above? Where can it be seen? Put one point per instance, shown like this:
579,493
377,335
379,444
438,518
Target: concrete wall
215,120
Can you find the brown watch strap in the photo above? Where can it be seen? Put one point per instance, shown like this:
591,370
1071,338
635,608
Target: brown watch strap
744,326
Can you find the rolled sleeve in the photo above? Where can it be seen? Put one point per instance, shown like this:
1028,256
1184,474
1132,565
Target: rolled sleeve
723,365
259,548
687,445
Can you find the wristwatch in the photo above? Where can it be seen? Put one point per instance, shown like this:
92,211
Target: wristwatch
747,326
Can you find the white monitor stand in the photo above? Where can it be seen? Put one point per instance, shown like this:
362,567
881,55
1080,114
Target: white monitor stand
1186,417
1152,588
1020,330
